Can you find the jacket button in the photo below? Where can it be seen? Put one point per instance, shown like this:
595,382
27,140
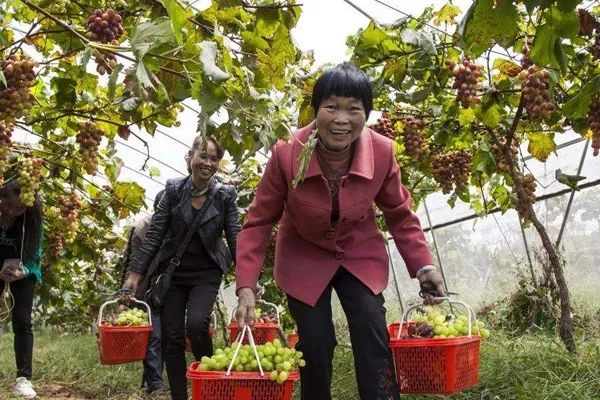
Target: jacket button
340,255
330,234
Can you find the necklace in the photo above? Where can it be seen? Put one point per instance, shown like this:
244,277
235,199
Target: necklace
200,192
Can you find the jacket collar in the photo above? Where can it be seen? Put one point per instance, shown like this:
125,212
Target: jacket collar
363,162
185,205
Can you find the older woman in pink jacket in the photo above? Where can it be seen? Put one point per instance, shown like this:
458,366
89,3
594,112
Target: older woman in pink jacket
328,237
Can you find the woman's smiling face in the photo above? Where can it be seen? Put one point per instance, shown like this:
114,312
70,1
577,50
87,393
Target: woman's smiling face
340,120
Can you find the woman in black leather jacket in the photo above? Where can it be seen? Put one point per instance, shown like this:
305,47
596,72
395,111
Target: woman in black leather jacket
197,278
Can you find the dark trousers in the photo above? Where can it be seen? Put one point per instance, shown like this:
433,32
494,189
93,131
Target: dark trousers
22,291
368,333
153,363
198,300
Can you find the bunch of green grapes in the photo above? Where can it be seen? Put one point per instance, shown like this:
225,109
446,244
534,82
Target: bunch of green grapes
131,317
15,97
274,358
69,210
89,138
6,129
438,325
29,178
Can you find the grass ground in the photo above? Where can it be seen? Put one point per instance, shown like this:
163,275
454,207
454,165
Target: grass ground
526,368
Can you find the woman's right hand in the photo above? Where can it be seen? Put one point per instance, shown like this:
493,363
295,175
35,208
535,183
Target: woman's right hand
244,313
132,281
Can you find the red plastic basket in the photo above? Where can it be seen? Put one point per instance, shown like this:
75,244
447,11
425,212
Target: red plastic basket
293,339
263,332
217,385
436,366
122,344
394,326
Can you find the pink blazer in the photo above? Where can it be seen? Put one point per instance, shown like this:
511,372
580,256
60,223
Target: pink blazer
308,249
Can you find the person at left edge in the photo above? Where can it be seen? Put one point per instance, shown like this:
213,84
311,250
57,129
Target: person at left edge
20,239
197,279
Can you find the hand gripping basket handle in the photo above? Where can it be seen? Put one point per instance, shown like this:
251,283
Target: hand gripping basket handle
262,302
239,340
470,314
116,301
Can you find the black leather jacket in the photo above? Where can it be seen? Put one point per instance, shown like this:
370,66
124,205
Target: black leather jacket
174,214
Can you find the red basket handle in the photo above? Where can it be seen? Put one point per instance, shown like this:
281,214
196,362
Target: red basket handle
239,340
116,301
416,305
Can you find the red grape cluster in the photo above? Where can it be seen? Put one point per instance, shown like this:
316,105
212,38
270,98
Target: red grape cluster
594,120
524,204
466,75
535,84
526,61
89,138
15,98
69,210
587,23
452,169
30,175
105,27
6,130
413,137
384,126
105,60
55,241
501,161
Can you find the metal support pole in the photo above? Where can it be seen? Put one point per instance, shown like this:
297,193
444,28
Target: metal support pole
437,250
389,251
568,210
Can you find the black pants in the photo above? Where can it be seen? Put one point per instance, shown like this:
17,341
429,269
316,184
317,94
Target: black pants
198,300
22,291
368,333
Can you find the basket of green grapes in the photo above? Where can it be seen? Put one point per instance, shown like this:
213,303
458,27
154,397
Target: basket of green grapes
438,353
123,337
247,371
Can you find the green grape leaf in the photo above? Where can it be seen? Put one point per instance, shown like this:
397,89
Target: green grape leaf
541,145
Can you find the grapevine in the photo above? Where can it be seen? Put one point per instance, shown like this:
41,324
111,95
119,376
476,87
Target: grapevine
15,98
89,138
466,75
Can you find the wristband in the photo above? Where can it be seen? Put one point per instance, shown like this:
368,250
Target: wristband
425,269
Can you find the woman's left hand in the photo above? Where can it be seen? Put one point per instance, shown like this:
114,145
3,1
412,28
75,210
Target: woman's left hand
432,286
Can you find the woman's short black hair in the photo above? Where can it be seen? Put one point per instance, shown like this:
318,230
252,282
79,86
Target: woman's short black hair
345,80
